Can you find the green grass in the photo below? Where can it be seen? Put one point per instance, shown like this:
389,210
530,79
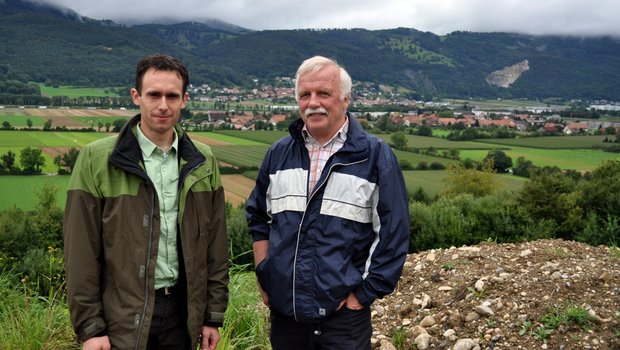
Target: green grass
32,322
415,158
94,121
575,159
551,142
234,140
262,136
48,167
21,121
19,191
432,181
74,91
48,138
246,323
414,141
243,156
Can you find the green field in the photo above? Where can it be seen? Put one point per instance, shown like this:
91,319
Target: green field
74,91
414,141
47,138
551,142
94,121
19,191
227,138
240,155
432,181
48,167
575,159
263,136
21,121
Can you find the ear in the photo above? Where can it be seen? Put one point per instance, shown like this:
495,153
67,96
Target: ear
135,96
185,99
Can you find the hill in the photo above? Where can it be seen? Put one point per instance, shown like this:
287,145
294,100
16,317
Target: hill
59,46
546,294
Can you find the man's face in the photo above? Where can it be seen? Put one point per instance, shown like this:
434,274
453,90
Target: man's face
160,103
319,96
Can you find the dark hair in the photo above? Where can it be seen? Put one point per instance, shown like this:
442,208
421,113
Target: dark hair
161,62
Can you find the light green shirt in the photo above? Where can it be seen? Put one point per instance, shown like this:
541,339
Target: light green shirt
163,170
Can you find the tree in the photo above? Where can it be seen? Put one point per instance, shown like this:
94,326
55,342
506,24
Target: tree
118,125
67,160
48,125
6,125
32,160
501,161
8,163
522,168
399,140
29,123
478,183
424,130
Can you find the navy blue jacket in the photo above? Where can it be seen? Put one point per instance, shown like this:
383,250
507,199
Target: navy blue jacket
349,234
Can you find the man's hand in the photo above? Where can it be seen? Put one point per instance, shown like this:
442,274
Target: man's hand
351,302
263,294
97,343
209,338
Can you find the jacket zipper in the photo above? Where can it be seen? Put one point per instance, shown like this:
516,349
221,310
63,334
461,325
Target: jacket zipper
301,223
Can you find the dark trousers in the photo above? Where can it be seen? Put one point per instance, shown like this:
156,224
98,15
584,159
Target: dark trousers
343,330
169,325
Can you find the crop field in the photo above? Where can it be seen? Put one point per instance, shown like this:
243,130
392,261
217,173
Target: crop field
90,121
416,158
48,138
222,139
19,191
74,91
263,136
21,121
414,141
551,142
242,156
575,159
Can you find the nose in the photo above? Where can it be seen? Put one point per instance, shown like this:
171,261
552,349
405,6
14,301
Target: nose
163,104
313,101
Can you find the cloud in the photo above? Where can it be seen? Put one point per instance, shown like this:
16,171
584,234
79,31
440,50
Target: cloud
558,17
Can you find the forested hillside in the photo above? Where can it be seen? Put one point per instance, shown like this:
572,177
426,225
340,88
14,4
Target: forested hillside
43,44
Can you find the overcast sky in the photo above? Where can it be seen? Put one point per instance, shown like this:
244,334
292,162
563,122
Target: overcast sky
572,17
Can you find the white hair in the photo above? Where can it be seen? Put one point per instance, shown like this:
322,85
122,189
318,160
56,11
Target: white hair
315,64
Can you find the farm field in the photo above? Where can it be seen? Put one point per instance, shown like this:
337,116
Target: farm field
19,191
74,91
414,141
432,181
575,159
21,121
551,142
69,118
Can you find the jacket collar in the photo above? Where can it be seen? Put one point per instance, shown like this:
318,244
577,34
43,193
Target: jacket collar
128,156
356,140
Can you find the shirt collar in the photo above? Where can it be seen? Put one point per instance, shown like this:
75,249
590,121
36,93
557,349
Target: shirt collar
341,133
148,147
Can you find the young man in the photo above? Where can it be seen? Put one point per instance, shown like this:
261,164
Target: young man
145,231
329,220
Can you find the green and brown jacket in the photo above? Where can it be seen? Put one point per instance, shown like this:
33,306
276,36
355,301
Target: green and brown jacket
111,231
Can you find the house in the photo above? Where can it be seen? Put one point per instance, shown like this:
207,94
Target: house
276,118
575,128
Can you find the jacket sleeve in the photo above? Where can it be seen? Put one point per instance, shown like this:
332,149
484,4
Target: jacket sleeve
217,285
83,249
392,217
257,212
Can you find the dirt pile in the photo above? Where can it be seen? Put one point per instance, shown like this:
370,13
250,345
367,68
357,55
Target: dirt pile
547,294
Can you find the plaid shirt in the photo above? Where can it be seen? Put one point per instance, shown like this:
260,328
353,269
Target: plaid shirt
320,154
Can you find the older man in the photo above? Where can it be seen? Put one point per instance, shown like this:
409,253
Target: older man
329,220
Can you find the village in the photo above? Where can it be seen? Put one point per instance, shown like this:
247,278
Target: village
369,105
